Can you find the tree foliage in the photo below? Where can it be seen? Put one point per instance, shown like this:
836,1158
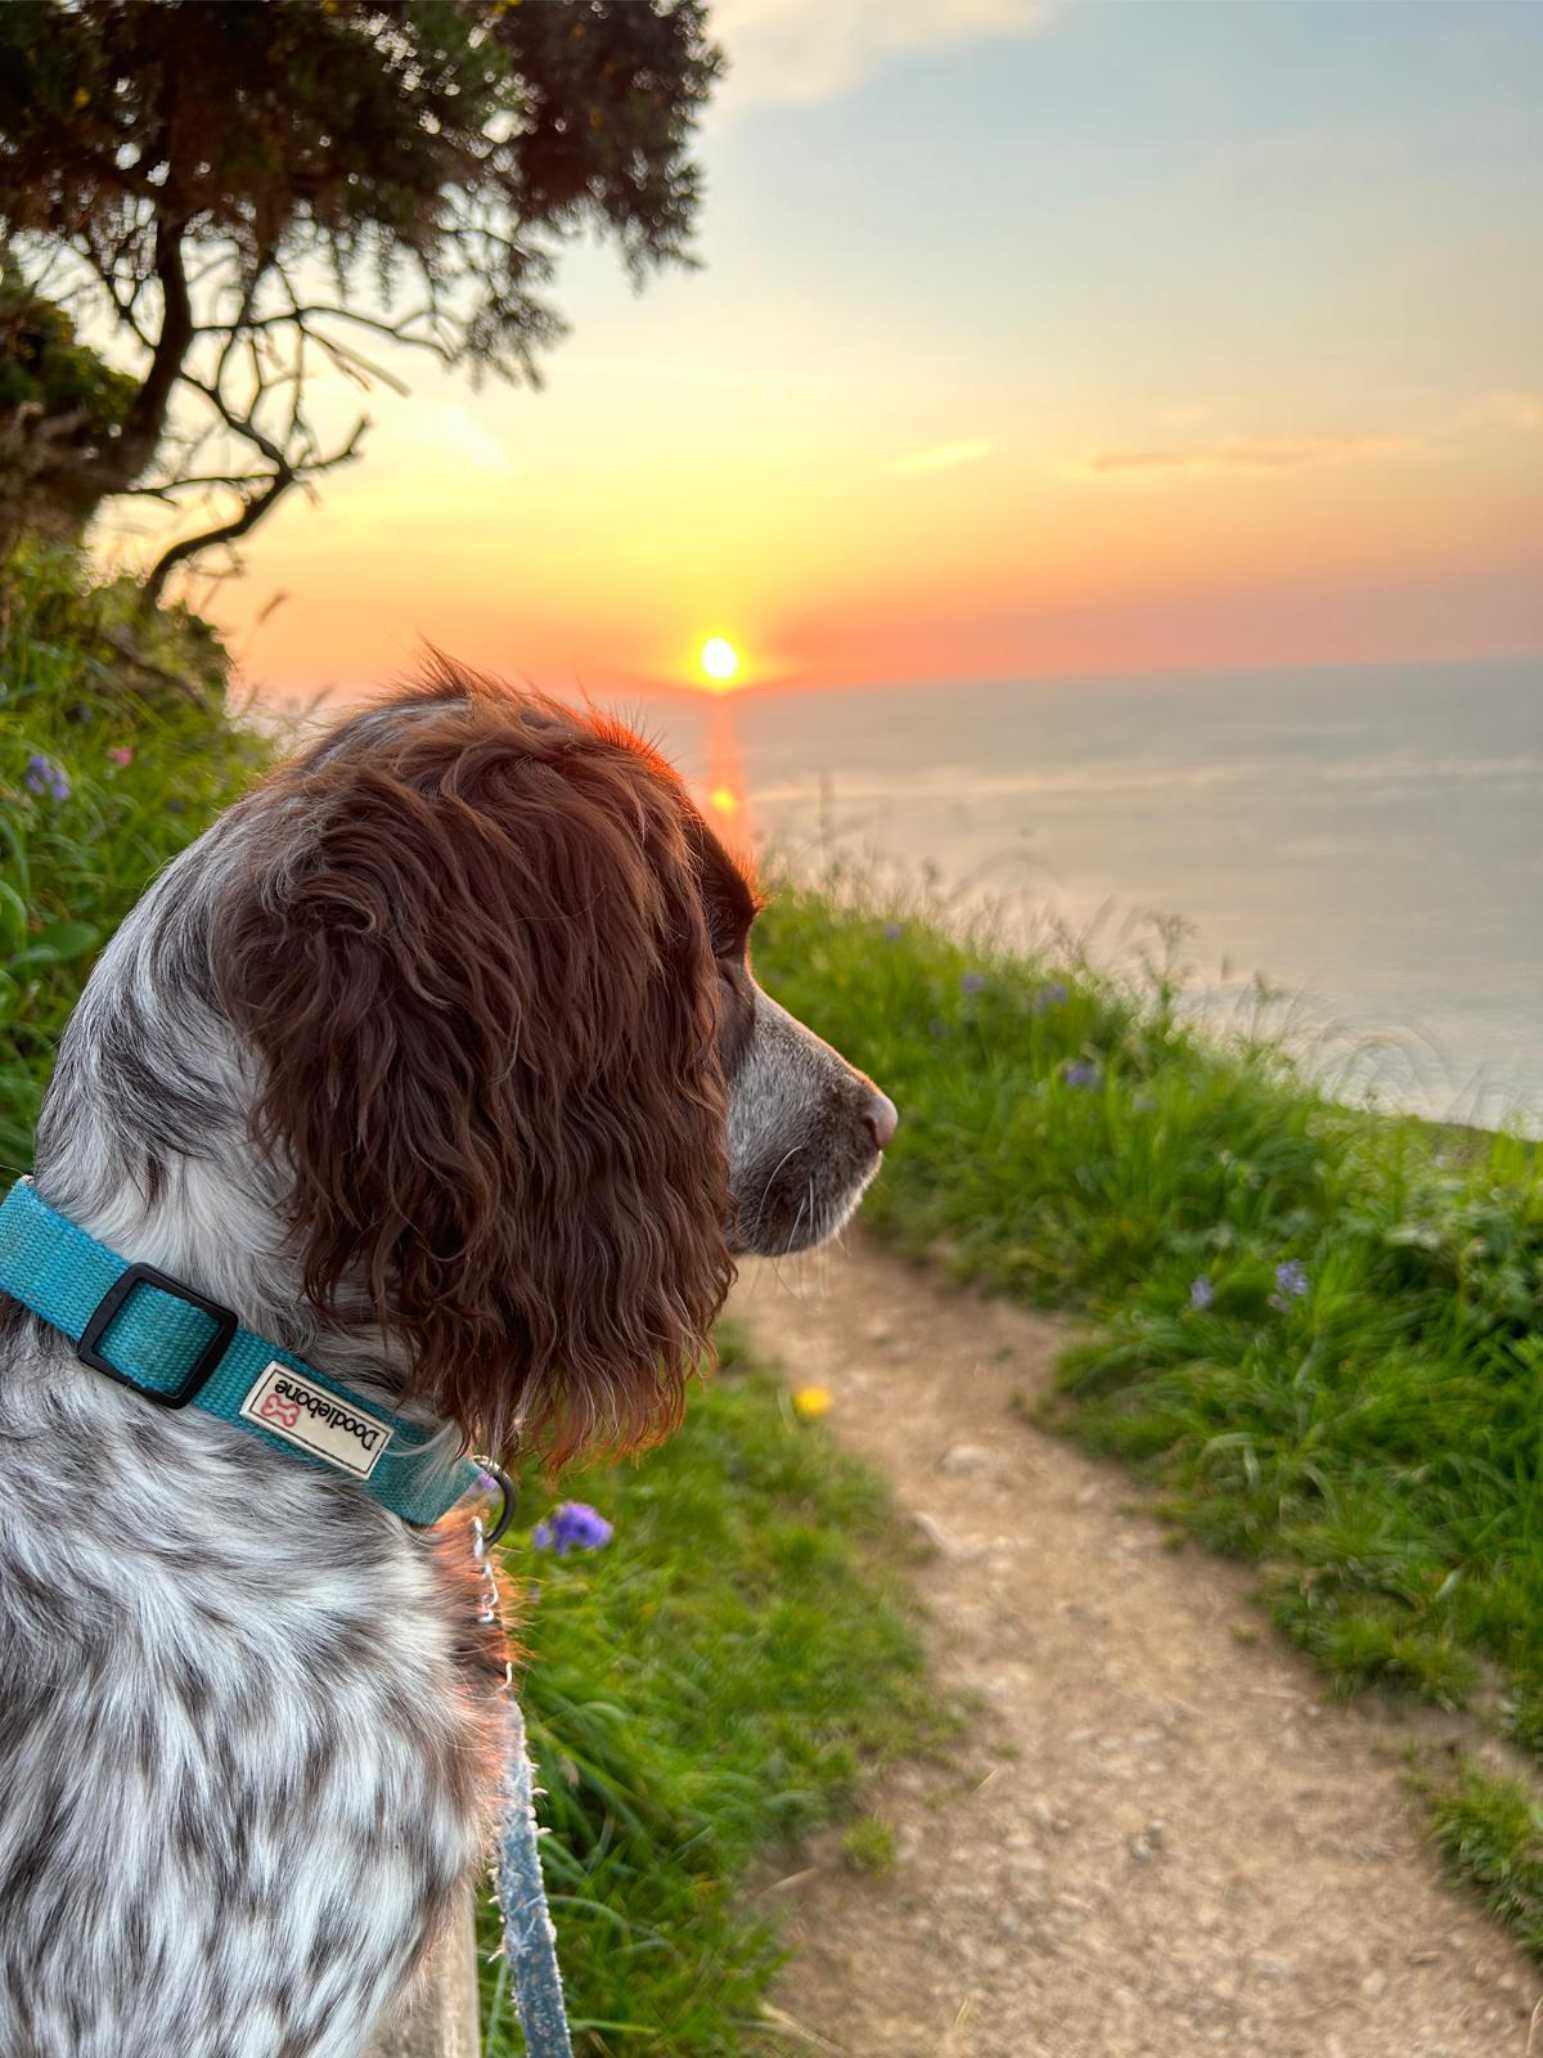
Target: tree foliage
254,190
55,392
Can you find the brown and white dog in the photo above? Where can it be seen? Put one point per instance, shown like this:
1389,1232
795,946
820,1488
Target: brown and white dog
439,1060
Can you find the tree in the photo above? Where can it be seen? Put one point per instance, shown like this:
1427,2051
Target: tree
253,189
53,391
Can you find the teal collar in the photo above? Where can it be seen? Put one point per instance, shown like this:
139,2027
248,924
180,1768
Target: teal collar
172,1346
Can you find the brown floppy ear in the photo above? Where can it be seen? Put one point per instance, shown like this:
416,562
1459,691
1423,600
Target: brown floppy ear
476,970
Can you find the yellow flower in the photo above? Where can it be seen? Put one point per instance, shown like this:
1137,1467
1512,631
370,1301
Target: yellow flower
812,1401
82,97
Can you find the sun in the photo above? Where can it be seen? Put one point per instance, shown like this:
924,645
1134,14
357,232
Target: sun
720,660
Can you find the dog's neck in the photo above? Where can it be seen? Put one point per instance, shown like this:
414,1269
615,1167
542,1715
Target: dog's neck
214,1220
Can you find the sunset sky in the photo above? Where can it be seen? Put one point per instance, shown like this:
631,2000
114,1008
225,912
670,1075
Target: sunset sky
1031,340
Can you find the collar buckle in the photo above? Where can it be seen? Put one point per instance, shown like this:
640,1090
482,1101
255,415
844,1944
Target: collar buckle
208,1358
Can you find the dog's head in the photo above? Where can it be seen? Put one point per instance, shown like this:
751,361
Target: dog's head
524,1093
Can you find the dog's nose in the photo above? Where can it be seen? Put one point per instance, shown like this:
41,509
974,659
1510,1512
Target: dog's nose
883,1119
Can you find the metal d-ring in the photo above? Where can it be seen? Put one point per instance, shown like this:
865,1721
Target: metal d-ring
510,1492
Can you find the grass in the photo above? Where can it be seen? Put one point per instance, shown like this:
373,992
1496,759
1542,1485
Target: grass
715,1683
869,1847
1316,1331
723,1676
1489,1830
71,867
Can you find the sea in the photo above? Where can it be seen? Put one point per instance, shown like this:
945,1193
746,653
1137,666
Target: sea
1351,858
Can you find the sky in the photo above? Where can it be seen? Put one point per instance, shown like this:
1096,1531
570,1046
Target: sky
1031,340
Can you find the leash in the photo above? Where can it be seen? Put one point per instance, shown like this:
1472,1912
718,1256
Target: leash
530,1940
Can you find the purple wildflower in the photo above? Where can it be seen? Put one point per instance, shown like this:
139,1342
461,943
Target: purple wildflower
44,776
486,1482
973,982
893,931
1291,1282
1080,1072
575,1526
1201,1294
1049,997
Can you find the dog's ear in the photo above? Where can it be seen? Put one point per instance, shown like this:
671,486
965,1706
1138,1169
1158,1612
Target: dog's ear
474,966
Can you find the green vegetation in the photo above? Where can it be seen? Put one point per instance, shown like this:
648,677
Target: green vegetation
1316,1331
1490,1832
107,769
711,1685
720,1678
869,1846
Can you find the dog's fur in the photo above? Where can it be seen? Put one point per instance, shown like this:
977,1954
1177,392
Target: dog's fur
439,1060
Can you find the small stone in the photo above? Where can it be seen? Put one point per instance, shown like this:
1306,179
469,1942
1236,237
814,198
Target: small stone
1263,1966
965,1457
1146,1843
927,1528
1375,1985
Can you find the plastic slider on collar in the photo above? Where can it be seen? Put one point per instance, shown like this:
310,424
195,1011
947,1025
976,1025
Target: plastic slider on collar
98,1322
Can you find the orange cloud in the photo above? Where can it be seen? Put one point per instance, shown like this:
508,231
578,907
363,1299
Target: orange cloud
1255,454
942,457
1508,410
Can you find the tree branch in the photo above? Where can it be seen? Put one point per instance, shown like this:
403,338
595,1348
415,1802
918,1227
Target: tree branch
147,417
250,515
284,475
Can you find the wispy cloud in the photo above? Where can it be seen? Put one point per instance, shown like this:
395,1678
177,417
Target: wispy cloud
1261,454
1507,410
942,457
813,49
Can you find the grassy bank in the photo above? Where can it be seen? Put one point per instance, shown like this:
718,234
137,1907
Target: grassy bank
107,770
1318,1332
720,1679
727,1672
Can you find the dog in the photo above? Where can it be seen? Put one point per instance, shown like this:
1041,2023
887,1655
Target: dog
439,1062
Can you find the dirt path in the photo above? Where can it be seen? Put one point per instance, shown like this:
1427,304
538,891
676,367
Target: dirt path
1165,1842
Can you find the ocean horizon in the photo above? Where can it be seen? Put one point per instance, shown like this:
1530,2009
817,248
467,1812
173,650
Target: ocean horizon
1364,839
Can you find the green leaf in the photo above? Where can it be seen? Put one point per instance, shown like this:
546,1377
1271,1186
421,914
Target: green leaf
13,920
16,844
58,943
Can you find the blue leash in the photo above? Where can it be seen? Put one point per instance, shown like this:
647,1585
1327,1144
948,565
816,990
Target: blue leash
530,1941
